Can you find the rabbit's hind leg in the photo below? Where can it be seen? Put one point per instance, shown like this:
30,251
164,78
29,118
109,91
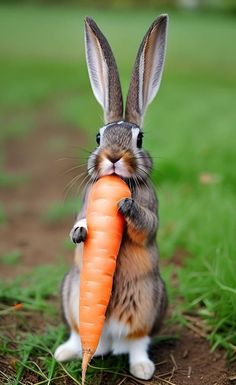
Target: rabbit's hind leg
70,349
70,307
140,365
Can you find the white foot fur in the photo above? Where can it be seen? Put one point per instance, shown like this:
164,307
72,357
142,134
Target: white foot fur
140,365
72,348
65,353
143,370
69,350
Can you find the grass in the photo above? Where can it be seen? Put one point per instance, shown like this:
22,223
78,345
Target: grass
29,308
13,257
33,334
3,216
10,179
189,129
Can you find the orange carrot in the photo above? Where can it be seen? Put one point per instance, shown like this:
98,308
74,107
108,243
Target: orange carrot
105,228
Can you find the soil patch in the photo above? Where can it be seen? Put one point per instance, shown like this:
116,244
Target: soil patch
45,163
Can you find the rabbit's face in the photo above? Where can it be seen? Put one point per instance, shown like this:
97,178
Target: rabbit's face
120,152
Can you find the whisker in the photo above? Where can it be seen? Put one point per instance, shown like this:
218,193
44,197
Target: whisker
148,178
144,171
143,181
81,148
75,168
70,185
85,179
75,157
92,180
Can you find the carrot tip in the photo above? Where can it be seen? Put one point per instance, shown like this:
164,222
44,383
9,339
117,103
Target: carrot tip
87,355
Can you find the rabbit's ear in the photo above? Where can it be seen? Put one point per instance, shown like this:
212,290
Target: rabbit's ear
147,72
103,72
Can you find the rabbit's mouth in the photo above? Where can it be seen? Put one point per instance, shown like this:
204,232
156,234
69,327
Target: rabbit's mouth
118,167
112,161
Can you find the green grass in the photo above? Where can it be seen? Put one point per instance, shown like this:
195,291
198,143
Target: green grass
189,129
13,257
3,216
30,341
8,179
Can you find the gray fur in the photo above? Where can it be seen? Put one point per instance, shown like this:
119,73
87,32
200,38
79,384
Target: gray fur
140,217
147,72
117,139
138,296
141,213
102,65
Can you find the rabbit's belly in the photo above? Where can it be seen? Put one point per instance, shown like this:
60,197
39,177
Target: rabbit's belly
130,309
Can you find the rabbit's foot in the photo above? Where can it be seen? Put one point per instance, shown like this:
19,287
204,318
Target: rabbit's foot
143,370
140,364
126,206
78,234
69,350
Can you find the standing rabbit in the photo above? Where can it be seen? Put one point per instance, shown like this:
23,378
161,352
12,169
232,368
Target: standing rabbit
138,301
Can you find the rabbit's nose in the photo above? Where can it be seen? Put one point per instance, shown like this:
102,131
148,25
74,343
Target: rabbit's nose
113,158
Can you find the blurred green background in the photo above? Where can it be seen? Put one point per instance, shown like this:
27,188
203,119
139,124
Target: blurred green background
47,105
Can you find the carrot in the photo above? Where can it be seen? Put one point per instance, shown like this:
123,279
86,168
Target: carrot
105,228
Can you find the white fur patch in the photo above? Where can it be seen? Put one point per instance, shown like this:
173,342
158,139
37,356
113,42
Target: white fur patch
140,364
135,132
101,131
121,168
107,167
143,369
70,349
117,329
138,349
119,346
81,223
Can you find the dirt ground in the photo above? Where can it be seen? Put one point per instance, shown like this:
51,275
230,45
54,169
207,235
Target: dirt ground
186,360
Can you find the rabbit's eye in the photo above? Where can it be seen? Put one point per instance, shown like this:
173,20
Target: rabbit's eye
98,137
140,140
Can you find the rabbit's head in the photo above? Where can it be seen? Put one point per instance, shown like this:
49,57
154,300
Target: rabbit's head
119,141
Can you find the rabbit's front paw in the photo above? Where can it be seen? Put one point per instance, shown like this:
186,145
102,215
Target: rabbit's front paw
78,234
126,206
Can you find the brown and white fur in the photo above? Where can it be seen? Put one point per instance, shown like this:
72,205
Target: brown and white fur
138,301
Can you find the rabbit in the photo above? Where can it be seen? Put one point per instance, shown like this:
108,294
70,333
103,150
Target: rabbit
138,301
